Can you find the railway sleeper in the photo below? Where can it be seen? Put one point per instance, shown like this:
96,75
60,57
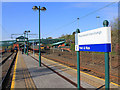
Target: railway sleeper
5,80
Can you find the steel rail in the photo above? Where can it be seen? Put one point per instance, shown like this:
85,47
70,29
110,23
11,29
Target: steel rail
72,65
6,59
5,78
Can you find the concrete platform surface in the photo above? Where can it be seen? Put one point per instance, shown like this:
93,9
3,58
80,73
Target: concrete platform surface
44,77
28,74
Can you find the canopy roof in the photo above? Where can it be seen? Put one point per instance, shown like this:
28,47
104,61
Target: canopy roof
58,43
21,37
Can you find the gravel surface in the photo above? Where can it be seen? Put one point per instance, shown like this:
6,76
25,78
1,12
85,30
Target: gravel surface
92,63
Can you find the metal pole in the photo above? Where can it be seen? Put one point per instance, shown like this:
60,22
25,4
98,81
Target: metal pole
33,48
107,71
24,43
107,85
39,40
98,21
78,66
78,70
27,44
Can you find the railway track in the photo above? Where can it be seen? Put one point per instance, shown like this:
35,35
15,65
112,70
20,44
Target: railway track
2,52
87,70
6,58
7,65
93,71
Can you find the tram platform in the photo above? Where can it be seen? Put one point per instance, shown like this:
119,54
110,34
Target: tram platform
28,74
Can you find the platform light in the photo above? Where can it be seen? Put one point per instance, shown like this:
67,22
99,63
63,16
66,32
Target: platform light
42,9
26,32
35,8
97,16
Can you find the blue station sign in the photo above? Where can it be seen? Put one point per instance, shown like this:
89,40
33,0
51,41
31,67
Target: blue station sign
97,40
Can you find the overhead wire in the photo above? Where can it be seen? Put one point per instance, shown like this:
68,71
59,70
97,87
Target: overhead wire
67,24
61,27
86,15
96,10
3,29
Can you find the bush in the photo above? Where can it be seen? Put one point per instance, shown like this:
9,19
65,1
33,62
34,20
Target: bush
72,46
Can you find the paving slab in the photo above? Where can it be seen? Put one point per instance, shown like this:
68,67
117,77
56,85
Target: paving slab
44,77
65,71
87,80
30,75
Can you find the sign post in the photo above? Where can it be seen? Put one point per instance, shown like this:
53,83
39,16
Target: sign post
97,40
105,24
78,61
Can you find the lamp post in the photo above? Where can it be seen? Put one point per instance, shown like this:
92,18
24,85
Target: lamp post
27,40
33,49
42,9
24,41
98,20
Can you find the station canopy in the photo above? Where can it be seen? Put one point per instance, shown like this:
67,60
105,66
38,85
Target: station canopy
21,39
58,43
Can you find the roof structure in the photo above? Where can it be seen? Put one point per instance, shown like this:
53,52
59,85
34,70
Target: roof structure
47,41
21,37
43,41
58,43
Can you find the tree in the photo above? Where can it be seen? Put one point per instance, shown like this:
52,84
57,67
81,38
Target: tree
115,35
72,46
70,40
49,38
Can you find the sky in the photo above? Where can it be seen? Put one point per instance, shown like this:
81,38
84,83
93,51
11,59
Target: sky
59,18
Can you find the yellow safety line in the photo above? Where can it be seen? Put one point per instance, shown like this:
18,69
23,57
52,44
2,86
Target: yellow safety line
14,73
81,72
31,81
28,77
25,80
26,84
